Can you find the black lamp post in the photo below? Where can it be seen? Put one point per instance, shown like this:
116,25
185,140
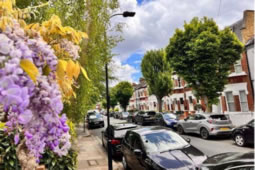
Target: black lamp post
124,14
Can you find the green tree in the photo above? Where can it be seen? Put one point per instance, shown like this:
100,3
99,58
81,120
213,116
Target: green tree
113,99
157,73
124,91
203,55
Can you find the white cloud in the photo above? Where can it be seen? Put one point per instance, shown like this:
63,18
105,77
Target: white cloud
123,72
156,20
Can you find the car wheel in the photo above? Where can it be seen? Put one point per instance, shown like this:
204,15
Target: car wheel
180,130
204,133
239,140
125,164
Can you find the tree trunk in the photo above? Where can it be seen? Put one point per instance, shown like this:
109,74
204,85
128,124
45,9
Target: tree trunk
159,99
208,106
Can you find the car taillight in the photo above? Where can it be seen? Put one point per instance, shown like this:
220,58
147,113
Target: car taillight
115,142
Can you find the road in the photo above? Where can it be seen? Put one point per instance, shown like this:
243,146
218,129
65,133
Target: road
210,147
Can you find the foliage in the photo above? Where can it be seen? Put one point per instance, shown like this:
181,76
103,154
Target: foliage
124,91
113,99
157,74
202,54
8,157
72,130
28,86
53,161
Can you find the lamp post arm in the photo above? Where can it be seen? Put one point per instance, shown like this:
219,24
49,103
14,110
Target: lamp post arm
115,15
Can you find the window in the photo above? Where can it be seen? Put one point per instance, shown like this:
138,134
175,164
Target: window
179,82
238,67
243,101
154,104
181,100
190,99
199,117
230,101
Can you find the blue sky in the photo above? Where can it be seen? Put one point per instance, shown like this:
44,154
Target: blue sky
135,61
155,22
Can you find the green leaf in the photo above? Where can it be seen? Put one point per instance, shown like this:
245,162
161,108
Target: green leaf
46,70
84,73
12,163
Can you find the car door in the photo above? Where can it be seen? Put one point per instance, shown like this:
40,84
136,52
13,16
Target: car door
187,123
195,124
127,148
137,161
249,132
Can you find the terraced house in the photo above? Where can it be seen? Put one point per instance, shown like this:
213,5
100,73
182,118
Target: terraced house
237,99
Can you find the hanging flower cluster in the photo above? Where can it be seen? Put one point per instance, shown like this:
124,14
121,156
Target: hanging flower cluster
29,91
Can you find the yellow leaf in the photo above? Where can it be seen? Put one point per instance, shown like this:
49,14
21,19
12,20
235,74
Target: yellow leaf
77,70
61,68
29,68
70,68
84,73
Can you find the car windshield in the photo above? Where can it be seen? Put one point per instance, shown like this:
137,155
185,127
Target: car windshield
95,116
169,116
163,141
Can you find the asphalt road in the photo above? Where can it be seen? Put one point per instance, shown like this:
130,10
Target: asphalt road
210,147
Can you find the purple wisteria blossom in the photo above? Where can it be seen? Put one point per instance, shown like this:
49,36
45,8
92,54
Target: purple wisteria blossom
34,107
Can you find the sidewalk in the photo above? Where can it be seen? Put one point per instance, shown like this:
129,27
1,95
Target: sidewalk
91,154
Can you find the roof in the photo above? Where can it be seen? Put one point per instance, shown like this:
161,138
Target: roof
141,85
250,42
237,27
119,126
150,129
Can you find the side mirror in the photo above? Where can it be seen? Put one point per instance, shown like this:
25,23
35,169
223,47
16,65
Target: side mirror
138,152
186,119
188,140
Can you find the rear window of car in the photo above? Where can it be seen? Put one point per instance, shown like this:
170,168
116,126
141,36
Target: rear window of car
219,117
151,113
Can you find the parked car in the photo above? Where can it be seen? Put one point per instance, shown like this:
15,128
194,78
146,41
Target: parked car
131,117
206,125
117,132
230,161
116,115
244,134
167,119
157,147
95,120
123,115
111,114
145,117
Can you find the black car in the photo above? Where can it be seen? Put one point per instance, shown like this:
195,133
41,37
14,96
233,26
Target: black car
117,132
145,117
230,161
131,117
244,134
95,120
158,148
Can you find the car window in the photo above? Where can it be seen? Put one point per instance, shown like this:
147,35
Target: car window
191,117
219,117
137,143
151,113
129,138
199,117
162,141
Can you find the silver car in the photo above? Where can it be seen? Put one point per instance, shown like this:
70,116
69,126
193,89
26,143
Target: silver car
206,125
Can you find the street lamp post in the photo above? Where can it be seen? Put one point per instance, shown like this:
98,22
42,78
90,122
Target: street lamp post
109,148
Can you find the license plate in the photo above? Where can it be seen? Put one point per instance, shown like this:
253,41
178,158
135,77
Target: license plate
96,122
224,128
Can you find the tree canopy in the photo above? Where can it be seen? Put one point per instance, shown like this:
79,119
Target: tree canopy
157,73
203,55
124,91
